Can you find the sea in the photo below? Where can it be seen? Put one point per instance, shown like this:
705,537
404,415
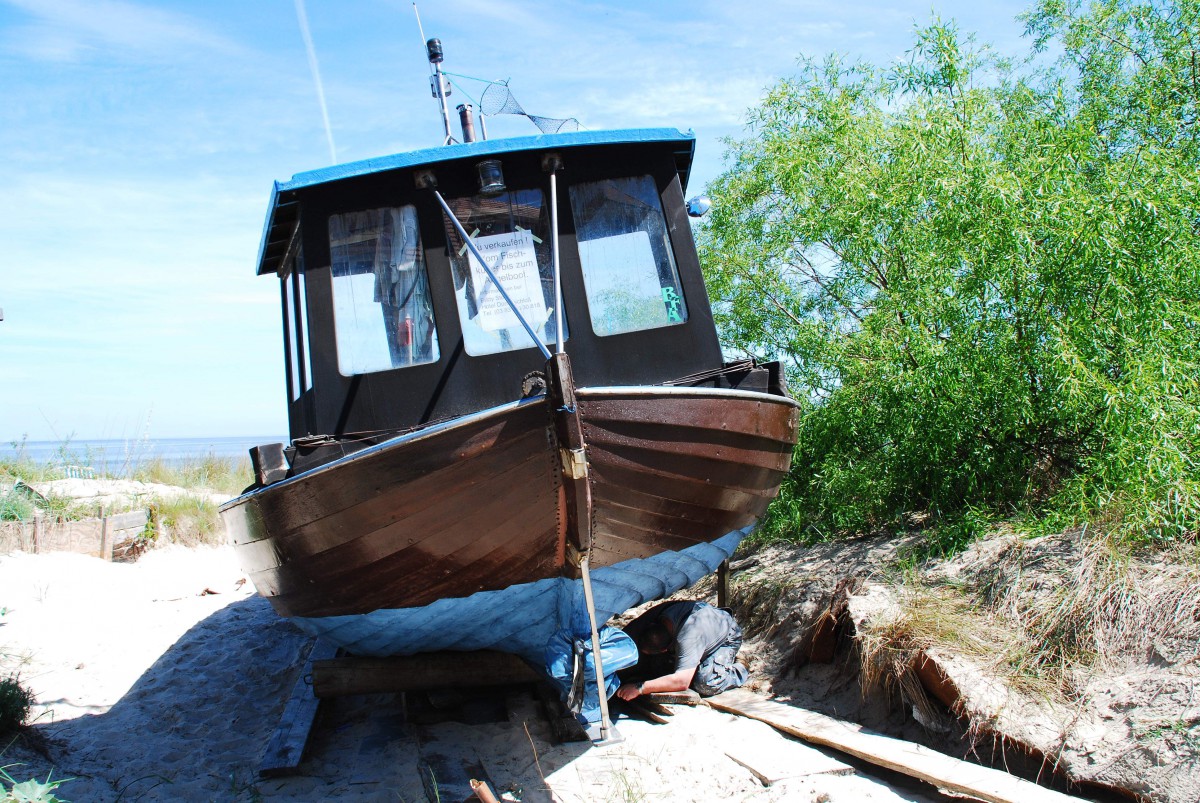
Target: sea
120,457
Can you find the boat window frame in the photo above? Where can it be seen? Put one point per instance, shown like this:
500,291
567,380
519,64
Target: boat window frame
298,353
360,327
659,247
536,237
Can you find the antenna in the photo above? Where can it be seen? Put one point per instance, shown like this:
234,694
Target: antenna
420,27
437,81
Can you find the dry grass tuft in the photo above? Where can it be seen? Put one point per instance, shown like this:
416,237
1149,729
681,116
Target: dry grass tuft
1084,604
1041,615
187,520
926,617
760,605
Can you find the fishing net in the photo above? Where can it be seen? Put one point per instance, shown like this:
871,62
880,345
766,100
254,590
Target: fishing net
497,98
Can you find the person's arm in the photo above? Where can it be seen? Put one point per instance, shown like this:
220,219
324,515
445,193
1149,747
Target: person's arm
676,681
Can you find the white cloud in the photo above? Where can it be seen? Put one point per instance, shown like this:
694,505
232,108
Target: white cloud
67,30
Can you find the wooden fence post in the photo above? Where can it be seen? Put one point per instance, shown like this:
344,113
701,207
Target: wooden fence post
37,532
106,547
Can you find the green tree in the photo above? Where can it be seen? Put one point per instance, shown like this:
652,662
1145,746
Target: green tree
983,278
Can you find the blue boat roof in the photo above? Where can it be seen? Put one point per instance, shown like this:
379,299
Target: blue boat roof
283,214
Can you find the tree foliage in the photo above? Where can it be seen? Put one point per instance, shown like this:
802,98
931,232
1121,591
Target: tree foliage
983,276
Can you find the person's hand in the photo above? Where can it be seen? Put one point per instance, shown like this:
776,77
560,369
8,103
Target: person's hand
629,691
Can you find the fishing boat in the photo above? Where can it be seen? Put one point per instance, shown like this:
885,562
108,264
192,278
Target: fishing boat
509,410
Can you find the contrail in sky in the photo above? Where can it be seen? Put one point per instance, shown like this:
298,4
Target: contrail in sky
302,16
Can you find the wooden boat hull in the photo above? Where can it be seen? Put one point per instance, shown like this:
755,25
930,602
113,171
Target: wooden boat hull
521,619
480,504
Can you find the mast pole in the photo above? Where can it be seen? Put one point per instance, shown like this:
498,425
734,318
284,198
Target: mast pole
437,81
553,163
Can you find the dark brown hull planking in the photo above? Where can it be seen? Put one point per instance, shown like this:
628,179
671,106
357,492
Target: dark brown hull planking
483,503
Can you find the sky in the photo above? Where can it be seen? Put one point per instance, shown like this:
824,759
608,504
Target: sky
139,142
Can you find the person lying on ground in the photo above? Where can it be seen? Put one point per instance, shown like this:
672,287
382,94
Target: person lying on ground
705,640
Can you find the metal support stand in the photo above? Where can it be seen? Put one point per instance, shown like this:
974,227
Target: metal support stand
608,733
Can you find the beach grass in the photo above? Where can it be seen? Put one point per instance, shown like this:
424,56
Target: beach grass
210,472
187,517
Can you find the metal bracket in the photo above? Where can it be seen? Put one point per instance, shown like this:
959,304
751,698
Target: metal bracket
574,463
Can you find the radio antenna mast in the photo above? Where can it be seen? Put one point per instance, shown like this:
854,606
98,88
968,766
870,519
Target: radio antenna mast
437,81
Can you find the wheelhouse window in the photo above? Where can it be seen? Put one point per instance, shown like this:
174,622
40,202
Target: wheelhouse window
383,315
512,233
629,271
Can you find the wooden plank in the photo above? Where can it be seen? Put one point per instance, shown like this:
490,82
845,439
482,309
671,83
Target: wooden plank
772,757
447,769
431,670
944,772
135,519
685,697
286,748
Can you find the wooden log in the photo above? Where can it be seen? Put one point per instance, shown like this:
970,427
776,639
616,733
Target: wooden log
434,670
917,761
286,748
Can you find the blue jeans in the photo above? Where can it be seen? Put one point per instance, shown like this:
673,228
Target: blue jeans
719,671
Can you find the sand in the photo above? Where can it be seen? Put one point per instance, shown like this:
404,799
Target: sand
113,493
164,679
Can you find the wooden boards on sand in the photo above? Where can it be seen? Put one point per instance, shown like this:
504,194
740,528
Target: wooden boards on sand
944,772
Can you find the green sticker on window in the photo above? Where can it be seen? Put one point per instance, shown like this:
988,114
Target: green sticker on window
672,300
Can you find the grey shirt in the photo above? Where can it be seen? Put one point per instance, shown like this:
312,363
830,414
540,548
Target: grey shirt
699,630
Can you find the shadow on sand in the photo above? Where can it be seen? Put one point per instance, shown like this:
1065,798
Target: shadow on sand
195,725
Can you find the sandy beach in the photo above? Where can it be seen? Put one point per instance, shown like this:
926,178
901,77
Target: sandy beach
164,679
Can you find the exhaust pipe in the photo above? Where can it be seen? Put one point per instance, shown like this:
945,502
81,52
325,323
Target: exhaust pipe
467,121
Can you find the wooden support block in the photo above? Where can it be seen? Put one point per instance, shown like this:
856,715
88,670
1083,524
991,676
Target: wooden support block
433,670
285,751
917,761
563,724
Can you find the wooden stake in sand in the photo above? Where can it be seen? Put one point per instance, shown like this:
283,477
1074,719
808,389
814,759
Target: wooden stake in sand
944,772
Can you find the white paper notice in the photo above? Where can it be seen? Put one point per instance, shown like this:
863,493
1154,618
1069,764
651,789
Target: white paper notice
512,258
